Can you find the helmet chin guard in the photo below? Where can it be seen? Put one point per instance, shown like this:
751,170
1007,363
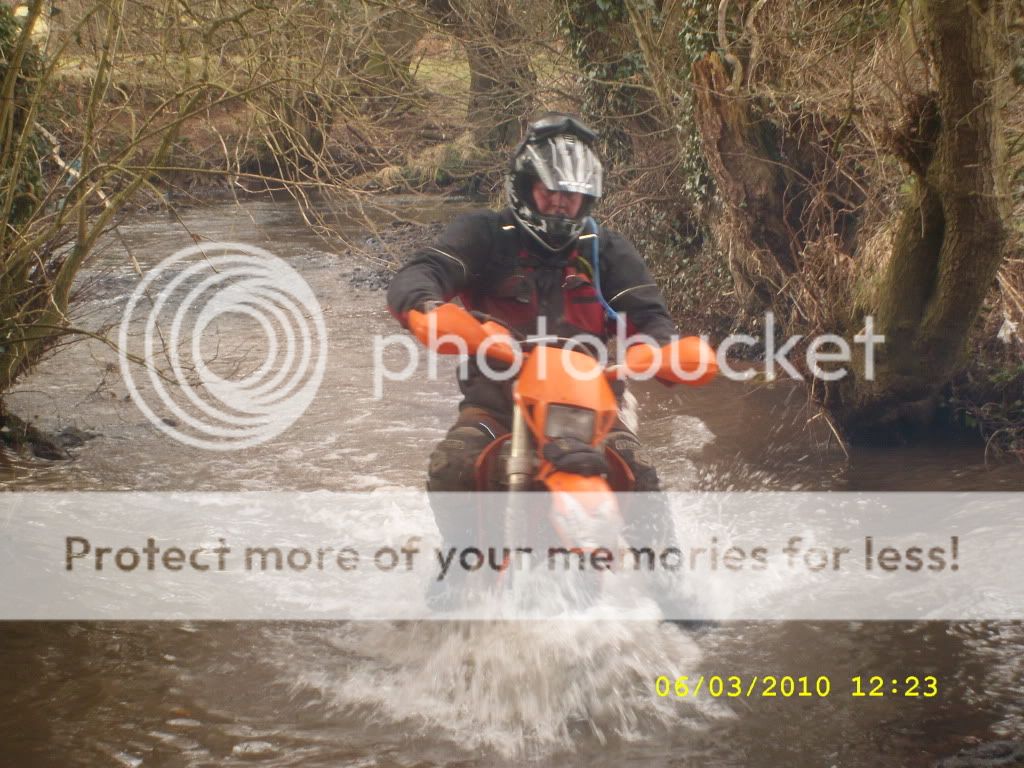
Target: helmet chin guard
556,151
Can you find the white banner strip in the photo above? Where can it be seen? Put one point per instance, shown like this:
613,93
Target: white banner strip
308,556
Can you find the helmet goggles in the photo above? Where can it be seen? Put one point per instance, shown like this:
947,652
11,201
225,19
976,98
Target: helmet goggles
547,127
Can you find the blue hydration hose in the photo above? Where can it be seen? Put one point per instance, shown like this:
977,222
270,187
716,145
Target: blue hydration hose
595,249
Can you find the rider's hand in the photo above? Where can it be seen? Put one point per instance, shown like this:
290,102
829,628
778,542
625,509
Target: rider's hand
421,309
426,307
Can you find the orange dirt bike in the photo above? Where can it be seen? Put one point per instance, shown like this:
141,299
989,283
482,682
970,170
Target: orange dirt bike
564,407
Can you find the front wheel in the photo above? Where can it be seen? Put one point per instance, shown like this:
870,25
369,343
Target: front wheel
554,579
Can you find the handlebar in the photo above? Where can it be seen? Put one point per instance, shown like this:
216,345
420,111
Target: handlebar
691,354
483,317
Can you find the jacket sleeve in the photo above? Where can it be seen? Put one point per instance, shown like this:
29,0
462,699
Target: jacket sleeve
440,271
630,290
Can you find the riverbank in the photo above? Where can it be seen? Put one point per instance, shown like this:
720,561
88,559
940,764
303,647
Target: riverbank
23,439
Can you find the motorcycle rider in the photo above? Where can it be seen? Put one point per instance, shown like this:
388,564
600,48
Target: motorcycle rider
536,258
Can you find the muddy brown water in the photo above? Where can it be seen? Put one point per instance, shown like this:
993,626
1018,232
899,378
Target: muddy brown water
446,694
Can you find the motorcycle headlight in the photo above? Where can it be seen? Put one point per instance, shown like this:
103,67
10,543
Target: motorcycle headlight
570,421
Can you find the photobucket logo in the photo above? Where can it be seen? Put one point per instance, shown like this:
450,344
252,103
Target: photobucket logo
684,363
233,345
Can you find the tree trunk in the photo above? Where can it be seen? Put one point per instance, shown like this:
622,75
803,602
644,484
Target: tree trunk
738,148
948,242
783,189
388,36
502,84
602,43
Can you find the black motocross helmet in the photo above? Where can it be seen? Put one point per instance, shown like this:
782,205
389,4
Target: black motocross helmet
557,149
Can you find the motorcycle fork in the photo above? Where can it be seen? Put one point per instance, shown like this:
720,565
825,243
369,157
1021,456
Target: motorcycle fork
519,472
520,460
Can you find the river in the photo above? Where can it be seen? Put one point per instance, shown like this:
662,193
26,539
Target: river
463,694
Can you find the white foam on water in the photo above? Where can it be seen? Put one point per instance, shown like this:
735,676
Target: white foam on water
518,689
365,482
689,435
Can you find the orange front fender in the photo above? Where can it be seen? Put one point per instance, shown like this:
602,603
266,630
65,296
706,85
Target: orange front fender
565,482
584,511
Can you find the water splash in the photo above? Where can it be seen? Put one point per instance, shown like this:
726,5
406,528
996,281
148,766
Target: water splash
518,689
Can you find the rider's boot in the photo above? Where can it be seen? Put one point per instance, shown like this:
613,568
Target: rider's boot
450,489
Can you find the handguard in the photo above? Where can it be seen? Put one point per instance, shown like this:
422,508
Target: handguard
443,327
689,360
448,329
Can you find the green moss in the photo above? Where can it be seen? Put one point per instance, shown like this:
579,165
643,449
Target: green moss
444,75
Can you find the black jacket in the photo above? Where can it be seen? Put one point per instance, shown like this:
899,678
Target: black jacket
486,260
